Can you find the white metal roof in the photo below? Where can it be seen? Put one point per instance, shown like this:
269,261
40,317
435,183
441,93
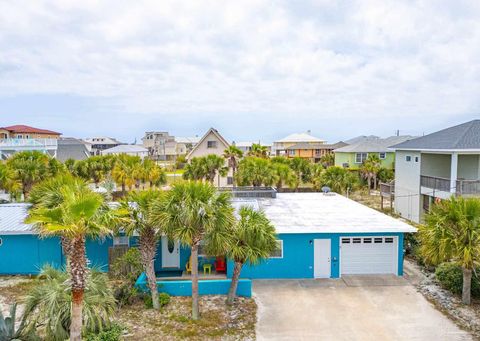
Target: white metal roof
12,218
300,137
319,213
125,148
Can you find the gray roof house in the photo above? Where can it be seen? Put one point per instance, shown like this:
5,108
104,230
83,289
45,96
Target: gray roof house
435,167
71,148
353,155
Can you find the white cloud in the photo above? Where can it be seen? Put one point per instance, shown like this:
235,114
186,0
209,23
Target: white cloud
319,60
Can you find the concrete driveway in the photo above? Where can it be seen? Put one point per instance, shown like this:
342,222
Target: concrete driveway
357,308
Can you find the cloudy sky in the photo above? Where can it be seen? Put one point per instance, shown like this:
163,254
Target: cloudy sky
252,69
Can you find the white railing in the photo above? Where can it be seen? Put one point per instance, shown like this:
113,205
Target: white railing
28,143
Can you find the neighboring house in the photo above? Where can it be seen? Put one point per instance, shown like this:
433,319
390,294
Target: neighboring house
312,151
129,149
98,144
246,146
213,143
71,148
21,138
319,236
280,147
353,155
164,147
435,167
161,145
361,138
186,144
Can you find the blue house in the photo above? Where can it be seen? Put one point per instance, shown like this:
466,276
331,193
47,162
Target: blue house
319,236
327,236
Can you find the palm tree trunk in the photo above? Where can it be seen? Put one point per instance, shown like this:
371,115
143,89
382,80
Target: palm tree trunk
194,258
78,274
234,284
148,246
467,285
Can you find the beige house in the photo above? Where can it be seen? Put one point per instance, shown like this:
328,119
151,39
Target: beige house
212,143
281,147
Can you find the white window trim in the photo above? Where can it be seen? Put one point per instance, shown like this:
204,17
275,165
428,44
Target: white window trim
117,239
281,248
361,161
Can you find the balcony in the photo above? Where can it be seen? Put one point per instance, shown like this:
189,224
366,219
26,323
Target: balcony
28,144
442,185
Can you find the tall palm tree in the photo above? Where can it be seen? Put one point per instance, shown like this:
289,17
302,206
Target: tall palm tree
338,179
195,169
328,160
214,165
254,171
283,174
232,154
152,173
452,233
28,168
81,214
191,212
127,171
253,238
369,170
136,211
317,175
258,151
301,169
8,182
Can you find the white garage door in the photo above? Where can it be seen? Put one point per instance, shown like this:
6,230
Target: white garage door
368,255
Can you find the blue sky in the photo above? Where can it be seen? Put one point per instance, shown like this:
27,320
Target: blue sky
252,69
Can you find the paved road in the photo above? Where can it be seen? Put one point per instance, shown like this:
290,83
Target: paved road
365,309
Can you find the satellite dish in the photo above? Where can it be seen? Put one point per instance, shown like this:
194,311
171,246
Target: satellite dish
326,189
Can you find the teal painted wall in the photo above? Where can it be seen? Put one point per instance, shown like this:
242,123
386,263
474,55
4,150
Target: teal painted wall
205,287
26,254
297,261
341,158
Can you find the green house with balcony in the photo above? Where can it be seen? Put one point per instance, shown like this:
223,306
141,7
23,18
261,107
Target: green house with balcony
353,155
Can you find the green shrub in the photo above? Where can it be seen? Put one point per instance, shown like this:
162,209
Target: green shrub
128,266
450,276
125,293
163,299
113,333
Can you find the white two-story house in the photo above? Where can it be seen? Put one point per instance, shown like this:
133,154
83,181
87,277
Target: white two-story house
435,167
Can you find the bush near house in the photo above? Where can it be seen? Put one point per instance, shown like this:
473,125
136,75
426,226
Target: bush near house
450,277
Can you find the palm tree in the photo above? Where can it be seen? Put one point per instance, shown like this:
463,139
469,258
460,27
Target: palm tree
152,173
254,171
214,165
369,170
95,168
232,154
195,169
8,182
283,174
137,210
258,151
82,213
253,238
452,233
328,160
191,212
127,171
301,169
338,179
317,175
29,168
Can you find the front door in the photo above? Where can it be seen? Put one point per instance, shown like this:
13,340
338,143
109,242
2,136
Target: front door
321,261
170,253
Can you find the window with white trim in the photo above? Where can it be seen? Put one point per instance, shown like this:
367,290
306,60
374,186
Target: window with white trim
291,152
382,156
211,144
121,241
408,158
278,252
360,157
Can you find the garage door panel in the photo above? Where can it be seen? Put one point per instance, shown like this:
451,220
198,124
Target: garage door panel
368,255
